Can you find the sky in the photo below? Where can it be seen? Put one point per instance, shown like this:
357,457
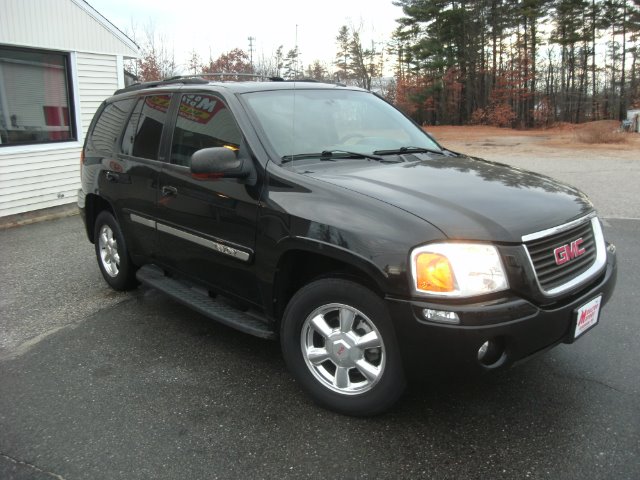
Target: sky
215,27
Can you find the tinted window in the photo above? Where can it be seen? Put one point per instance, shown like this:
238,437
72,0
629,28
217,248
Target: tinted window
144,129
35,99
130,131
109,125
311,121
204,121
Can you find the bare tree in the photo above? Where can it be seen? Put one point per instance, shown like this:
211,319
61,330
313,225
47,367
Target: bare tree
195,65
157,60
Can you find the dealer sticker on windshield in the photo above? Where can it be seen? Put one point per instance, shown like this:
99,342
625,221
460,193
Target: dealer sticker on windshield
587,316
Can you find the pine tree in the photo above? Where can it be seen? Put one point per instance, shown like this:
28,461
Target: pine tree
343,55
291,64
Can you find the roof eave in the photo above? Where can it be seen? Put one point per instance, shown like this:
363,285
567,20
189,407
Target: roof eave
110,26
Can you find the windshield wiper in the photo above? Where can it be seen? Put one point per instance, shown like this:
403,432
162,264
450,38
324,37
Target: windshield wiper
396,151
299,156
332,155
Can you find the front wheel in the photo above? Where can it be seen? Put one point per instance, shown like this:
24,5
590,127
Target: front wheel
112,254
338,341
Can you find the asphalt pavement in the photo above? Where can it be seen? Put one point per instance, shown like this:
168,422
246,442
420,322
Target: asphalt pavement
96,384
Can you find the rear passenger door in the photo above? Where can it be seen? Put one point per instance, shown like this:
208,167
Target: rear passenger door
135,173
207,228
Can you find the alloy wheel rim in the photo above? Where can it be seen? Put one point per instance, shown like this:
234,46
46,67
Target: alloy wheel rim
109,255
343,349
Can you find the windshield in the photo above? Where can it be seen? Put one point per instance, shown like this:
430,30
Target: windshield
300,123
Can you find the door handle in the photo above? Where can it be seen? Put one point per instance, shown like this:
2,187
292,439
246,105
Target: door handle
112,177
168,191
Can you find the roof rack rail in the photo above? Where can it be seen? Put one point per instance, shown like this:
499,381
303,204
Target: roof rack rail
305,80
223,75
160,83
201,78
196,78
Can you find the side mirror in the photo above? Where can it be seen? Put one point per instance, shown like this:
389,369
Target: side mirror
218,162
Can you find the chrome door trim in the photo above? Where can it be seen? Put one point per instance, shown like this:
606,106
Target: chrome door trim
147,222
205,242
190,237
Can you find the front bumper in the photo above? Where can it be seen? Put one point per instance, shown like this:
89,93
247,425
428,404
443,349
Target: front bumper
521,327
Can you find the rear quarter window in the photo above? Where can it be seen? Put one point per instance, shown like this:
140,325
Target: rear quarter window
109,124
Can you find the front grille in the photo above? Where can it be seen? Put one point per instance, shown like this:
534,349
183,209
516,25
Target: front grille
550,274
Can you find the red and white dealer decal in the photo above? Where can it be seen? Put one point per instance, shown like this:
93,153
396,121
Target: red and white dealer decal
587,316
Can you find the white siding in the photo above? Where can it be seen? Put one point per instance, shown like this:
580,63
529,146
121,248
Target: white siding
41,176
70,25
31,181
48,176
97,80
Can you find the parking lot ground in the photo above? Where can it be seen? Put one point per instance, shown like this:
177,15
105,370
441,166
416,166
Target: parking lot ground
608,173
99,384
137,386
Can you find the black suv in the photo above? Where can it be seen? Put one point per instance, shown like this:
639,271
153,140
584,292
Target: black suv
320,215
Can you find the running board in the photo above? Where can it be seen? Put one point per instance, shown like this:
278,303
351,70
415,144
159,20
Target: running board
213,308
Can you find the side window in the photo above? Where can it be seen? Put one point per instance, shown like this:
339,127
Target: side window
130,131
204,121
142,136
109,125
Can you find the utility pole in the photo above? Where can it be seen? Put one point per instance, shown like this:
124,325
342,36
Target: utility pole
297,55
251,40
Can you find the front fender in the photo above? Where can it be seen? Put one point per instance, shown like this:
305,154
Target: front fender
380,276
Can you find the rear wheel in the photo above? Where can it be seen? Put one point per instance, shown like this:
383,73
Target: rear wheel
112,254
339,342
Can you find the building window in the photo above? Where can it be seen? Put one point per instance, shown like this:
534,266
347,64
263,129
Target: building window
35,99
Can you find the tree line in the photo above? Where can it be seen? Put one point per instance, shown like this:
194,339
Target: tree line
354,64
517,63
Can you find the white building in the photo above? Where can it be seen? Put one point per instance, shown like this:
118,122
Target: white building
634,117
59,59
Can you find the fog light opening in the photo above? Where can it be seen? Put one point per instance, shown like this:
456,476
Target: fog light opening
441,316
491,353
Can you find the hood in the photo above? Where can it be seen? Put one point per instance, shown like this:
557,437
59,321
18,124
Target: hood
466,198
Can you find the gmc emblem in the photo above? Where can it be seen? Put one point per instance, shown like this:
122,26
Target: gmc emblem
568,252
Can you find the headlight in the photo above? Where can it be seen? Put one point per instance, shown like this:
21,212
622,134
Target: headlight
457,270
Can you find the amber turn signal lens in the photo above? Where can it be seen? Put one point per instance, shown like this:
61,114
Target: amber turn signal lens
434,273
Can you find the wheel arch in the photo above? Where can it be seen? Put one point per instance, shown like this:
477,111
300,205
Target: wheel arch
94,204
305,261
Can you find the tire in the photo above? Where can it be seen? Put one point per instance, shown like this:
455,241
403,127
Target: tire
339,343
111,251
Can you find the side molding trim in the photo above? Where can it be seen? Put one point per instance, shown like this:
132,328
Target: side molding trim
190,237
